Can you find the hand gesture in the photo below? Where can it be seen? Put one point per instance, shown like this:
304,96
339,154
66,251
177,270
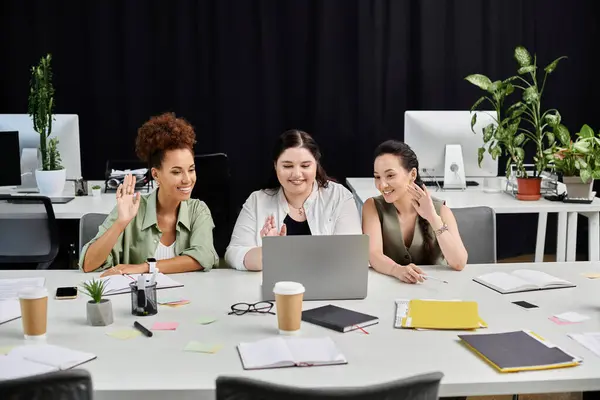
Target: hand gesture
421,201
409,273
126,269
270,229
128,201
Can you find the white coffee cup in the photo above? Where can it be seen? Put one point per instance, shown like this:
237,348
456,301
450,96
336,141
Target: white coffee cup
288,300
34,311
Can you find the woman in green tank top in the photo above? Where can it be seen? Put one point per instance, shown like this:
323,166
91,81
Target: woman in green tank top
406,226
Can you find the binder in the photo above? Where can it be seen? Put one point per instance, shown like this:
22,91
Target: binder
440,314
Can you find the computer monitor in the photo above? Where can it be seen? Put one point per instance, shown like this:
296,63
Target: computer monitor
10,173
446,146
65,127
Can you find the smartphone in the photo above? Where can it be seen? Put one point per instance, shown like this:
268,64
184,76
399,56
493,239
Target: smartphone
525,304
64,293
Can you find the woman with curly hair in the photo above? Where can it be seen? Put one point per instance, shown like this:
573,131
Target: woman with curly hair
166,229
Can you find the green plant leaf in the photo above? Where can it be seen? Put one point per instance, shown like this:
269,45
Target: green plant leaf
480,153
488,133
585,175
526,70
515,110
551,138
553,119
520,153
563,134
582,146
522,56
477,103
596,174
586,132
479,80
473,121
530,95
552,66
512,78
519,139
508,89
496,152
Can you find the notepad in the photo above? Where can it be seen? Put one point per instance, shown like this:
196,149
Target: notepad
9,310
519,351
31,360
338,318
522,280
9,288
279,352
119,284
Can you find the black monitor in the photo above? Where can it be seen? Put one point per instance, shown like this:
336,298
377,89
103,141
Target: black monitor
10,154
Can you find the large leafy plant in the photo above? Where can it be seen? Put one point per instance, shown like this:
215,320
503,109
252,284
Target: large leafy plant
508,136
580,158
41,105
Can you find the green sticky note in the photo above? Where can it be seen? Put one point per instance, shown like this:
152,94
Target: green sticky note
124,334
199,347
4,350
206,320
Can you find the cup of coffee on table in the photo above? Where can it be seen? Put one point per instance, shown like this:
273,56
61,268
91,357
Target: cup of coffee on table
288,301
34,311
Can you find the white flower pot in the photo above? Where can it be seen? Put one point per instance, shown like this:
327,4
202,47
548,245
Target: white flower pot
51,183
576,189
99,314
96,192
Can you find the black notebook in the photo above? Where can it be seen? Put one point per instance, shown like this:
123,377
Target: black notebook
337,318
518,351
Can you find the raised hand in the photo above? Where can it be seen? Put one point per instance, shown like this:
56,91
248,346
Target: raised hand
128,201
421,201
270,229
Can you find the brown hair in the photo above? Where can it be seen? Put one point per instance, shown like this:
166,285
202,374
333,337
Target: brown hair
160,134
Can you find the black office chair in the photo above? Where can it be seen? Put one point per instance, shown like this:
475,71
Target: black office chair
477,227
29,232
420,387
88,227
213,186
74,384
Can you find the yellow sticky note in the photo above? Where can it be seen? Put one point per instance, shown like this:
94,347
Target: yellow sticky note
124,334
592,275
199,347
4,350
206,320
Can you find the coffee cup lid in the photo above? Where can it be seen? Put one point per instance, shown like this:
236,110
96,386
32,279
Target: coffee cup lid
288,288
33,292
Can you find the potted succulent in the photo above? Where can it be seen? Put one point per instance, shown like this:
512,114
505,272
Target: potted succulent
99,310
543,129
51,176
579,163
96,190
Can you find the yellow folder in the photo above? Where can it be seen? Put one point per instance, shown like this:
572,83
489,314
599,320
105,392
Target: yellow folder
433,314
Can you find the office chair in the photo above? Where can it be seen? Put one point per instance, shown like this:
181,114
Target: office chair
420,387
213,186
29,232
74,384
88,227
477,228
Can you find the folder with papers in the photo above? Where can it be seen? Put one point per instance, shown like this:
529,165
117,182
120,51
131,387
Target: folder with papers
438,314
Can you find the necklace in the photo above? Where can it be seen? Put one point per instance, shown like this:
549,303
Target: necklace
300,210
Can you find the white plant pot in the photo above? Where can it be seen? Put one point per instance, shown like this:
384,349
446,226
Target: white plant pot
51,183
99,314
96,192
576,189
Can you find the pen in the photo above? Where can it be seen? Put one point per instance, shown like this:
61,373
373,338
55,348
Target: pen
142,329
153,279
433,278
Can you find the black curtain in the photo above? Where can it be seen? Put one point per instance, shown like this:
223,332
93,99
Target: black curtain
242,72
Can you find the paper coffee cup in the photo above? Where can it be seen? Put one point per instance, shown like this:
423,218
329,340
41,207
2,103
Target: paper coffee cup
34,311
288,300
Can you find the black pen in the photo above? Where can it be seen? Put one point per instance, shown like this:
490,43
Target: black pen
142,329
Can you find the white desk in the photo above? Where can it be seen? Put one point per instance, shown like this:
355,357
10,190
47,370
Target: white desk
157,368
502,203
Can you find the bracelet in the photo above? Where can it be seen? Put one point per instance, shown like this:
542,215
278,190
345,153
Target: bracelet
443,229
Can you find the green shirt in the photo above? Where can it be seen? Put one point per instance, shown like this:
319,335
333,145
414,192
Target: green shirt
140,238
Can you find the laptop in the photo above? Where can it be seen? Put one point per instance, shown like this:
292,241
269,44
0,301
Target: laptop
332,267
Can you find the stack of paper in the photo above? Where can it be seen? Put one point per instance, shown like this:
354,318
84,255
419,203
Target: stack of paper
568,318
590,340
9,289
438,314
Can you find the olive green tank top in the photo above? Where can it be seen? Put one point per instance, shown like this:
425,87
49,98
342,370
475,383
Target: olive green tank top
393,242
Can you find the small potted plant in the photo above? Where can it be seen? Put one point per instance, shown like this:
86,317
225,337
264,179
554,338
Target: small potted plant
99,310
96,190
579,163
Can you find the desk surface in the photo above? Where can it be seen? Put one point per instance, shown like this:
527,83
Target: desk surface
502,203
150,367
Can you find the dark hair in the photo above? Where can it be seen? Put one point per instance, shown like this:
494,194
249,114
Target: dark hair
160,134
408,160
292,139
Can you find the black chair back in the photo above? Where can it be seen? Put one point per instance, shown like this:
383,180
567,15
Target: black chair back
75,384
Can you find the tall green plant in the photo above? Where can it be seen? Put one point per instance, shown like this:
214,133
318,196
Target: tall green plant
40,107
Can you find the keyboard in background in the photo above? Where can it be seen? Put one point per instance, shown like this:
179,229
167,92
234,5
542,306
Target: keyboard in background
441,183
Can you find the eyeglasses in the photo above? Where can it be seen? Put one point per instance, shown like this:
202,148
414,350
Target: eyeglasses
263,307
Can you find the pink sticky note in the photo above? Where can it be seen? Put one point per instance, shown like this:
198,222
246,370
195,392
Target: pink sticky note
560,321
165,326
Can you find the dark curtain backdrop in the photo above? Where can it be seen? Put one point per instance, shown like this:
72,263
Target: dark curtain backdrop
242,72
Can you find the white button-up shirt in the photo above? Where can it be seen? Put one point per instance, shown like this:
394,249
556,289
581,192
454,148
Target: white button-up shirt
329,211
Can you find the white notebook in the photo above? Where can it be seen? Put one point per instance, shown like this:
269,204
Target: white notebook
34,359
119,284
9,310
278,352
521,280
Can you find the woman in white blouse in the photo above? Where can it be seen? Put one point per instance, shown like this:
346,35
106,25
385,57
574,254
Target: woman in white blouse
300,200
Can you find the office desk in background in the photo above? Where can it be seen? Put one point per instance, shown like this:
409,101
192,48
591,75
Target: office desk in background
158,368
502,203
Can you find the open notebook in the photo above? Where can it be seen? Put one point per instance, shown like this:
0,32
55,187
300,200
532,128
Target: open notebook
521,280
291,352
30,360
119,284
